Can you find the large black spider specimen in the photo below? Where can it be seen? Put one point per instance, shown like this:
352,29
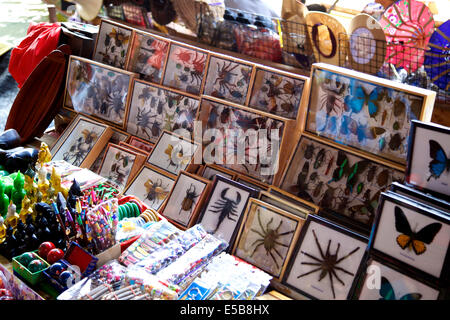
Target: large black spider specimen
327,264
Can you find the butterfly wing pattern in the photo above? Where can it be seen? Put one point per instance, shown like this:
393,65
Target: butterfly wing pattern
416,240
439,162
387,292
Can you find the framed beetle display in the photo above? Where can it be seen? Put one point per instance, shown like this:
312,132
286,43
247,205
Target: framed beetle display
186,198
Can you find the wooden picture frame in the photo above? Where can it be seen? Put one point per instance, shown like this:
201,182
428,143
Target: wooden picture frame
228,78
209,171
116,137
280,193
212,109
123,158
182,197
185,68
343,184
398,221
141,143
421,197
104,92
148,56
81,142
278,92
144,186
325,238
262,226
153,108
283,204
394,283
112,35
224,208
134,149
340,109
435,139
165,146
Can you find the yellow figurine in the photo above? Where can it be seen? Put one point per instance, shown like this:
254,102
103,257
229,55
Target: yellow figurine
31,188
55,182
26,209
44,154
2,230
12,218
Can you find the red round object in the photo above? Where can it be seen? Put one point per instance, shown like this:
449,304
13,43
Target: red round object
55,255
45,248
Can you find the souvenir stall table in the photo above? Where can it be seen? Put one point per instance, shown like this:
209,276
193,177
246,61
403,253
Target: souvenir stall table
178,171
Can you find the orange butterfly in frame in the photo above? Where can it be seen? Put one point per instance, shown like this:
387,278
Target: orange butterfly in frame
414,240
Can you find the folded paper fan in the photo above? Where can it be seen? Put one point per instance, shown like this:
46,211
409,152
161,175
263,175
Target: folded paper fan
408,25
437,64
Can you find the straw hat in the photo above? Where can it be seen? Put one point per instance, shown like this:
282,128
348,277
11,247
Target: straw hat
88,9
328,37
367,44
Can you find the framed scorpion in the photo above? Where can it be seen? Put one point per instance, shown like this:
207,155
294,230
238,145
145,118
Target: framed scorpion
226,208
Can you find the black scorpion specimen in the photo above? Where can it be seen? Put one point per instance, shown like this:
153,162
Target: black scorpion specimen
226,207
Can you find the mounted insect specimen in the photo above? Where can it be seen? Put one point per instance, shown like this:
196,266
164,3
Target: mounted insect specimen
341,183
223,210
277,92
81,142
267,236
148,56
98,90
326,260
173,153
395,285
363,112
185,199
228,79
185,68
428,166
112,44
118,164
412,233
154,109
151,185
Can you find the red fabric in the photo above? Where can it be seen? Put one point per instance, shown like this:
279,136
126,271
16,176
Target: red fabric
42,38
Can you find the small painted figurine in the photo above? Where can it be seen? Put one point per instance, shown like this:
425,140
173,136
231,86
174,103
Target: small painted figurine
43,184
26,209
30,185
12,218
44,154
2,230
55,183
18,193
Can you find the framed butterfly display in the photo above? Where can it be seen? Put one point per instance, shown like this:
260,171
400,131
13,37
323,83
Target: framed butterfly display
345,186
428,166
365,112
154,108
413,235
241,139
383,282
326,261
173,153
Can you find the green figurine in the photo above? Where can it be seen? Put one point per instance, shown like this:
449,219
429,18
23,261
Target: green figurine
8,182
18,192
4,200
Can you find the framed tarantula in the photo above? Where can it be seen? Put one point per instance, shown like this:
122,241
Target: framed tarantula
326,261
267,237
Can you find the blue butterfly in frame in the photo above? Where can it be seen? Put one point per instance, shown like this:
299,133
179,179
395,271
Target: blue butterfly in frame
387,292
359,98
363,132
440,162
